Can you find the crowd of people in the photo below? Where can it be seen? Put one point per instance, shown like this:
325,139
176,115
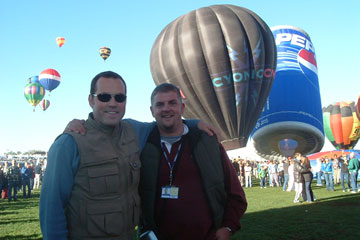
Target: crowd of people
296,173
17,176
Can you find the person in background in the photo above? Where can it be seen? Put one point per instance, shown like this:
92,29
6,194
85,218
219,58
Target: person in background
344,174
336,169
255,169
242,172
298,177
286,173
20,184
237,167
13,175
354,166
327,169
2,178
308,176
4,192
248,174
318,171
37,171
281,172
32,177
291,176
262,175
273,174
26,175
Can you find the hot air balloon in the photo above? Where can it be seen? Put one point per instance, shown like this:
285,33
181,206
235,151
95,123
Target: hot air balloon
357,107
342,126
34,93
50,79
223,59
33,79
291,120
44,104
105,52
60,41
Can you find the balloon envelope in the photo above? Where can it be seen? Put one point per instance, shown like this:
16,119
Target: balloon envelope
293,109
33,79
357,107
223,59
105,52
44,104
34,93
50,79
60,41
341,124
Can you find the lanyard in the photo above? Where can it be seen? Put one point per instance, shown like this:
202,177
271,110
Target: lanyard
171,166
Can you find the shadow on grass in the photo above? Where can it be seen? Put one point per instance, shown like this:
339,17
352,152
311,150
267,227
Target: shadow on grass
5,222
22,237
330,218
14,206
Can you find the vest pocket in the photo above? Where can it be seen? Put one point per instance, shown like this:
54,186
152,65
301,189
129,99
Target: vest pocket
103,179
106,218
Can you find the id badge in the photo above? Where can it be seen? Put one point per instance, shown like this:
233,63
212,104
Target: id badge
170,192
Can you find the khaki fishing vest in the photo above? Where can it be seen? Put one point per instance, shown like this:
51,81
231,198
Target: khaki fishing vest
104,202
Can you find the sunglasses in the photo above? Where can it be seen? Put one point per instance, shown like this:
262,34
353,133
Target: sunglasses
105,97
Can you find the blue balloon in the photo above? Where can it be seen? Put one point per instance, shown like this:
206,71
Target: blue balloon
293,109
34,79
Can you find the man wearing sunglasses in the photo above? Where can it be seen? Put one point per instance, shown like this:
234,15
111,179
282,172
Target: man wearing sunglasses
90,187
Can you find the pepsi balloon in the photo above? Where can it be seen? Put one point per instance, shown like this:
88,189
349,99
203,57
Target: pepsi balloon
293,110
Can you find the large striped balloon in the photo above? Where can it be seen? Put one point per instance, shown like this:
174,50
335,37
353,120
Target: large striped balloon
341,125
34,93
44,104
49,79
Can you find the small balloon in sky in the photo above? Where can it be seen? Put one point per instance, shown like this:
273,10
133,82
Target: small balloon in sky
105,52
60,41
33,79
44,104
34,93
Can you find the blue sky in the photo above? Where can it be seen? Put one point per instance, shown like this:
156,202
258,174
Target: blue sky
27,44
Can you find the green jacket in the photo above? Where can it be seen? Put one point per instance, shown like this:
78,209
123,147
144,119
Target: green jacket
354,165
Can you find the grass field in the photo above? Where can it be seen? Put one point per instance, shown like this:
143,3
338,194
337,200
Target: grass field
271,214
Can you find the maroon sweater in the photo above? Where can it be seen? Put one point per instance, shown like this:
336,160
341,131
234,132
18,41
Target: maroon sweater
189,216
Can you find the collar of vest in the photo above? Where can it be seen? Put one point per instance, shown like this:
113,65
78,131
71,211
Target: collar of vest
193,135
108,130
